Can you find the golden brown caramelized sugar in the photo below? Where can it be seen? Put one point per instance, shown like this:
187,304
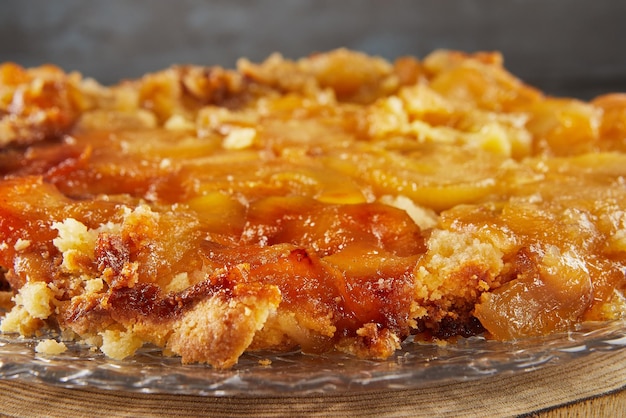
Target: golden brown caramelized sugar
336,202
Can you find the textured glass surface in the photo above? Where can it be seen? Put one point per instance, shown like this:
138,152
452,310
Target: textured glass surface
282,374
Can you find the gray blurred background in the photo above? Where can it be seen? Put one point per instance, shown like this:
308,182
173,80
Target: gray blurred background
567,47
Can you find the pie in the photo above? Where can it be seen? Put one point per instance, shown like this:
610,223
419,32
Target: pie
338,202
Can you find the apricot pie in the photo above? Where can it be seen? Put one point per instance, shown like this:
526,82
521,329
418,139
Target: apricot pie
336,202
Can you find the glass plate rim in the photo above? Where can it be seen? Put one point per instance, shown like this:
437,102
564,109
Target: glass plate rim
417,365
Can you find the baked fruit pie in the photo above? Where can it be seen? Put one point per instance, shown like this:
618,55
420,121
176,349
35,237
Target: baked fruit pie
336,202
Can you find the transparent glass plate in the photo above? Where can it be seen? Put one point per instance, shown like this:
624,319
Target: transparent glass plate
288,374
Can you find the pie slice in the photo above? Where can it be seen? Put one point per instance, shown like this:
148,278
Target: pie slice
337,202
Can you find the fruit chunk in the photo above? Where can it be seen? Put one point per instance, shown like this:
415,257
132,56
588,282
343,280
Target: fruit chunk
550,298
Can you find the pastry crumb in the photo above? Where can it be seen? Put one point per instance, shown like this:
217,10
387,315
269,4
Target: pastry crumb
50,347
265,362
